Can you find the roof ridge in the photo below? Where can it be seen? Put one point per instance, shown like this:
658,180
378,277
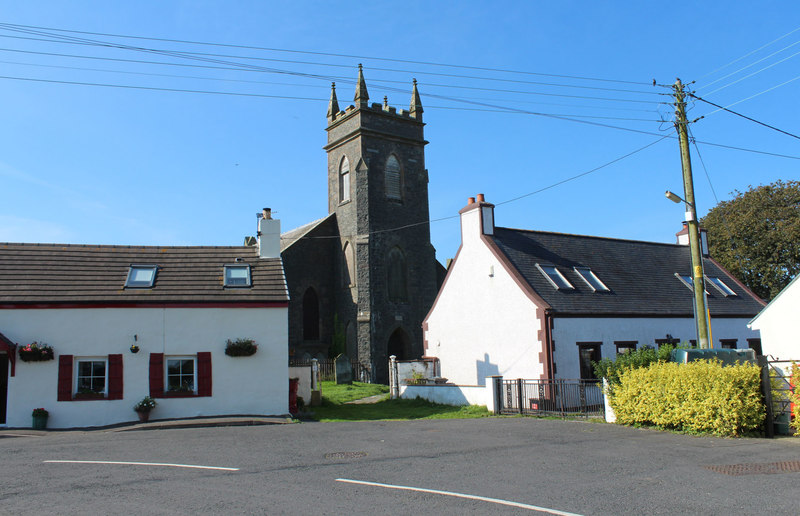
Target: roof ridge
122,246
589,236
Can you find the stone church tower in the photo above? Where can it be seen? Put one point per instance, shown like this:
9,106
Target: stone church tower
375,268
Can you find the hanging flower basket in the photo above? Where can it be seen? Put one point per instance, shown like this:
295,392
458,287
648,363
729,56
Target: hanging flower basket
36,352
241,347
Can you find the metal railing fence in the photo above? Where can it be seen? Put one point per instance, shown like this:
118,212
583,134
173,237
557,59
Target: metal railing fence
564,398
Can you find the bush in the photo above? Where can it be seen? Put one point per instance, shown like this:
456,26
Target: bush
699,397
643,357
795,397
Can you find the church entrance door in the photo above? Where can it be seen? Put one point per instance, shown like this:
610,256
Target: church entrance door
399,344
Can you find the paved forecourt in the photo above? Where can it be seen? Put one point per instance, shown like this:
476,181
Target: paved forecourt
505,465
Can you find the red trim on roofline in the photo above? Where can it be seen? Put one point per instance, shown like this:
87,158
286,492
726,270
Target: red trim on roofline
239,304
736,280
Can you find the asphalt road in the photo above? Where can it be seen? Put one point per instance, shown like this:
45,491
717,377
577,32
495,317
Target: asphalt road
574,467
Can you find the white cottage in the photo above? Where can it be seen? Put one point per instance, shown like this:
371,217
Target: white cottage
129,321
541,305
779,324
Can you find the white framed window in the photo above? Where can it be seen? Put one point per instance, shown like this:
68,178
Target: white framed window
181,374
141,276
720,285
555,277
237,275
91,375
591,279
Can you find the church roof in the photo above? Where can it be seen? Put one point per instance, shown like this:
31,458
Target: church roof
640,275
290,237
61,274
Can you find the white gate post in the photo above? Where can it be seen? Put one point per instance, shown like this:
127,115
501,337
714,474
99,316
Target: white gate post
394,386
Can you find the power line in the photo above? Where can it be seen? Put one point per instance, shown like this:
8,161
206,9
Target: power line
191,55
330,54
548,187
752,74
751,52
743,116
757,94
751,64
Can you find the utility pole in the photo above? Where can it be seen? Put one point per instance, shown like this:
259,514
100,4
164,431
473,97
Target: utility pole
698,282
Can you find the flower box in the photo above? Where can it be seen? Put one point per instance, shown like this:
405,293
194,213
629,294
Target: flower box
35,352
241,348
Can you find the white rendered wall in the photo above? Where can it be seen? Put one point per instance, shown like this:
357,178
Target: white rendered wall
449,394
568,331
240,385
303,374
482,324
779,323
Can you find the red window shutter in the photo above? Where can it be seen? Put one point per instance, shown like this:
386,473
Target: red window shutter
115,377
204,373
65,378
156,375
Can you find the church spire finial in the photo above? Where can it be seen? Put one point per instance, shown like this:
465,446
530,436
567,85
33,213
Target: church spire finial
333,104
362,97
416,104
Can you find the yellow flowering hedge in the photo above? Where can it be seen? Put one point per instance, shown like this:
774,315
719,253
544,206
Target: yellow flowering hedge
795,398
701,397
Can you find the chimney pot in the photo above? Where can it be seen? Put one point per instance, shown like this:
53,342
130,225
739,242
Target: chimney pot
266,213
481,198
470,200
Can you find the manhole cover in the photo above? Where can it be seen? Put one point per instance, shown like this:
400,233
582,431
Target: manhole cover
757,468
346,455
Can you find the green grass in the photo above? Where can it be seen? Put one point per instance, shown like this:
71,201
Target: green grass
335,397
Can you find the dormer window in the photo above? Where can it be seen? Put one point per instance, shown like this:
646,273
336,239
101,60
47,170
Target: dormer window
591,279
724,289
237,275
141,276
555,277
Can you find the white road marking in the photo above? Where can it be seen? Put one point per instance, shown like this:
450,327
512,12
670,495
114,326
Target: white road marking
461,495
194,466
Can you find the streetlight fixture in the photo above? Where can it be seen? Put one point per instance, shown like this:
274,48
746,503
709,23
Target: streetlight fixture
698,276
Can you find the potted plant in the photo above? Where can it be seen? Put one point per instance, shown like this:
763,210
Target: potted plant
144,407
240,347
39,418
36,352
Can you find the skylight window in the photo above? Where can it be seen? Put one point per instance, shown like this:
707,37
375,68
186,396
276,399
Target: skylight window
237,275
687,280
591,279
141,276
724,289
556,278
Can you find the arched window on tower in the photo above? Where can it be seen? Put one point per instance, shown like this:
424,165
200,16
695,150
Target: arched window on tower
310,315
344,180
394,178
348,266
397,275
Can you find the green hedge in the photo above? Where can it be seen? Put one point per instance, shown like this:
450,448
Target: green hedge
795,397
698,397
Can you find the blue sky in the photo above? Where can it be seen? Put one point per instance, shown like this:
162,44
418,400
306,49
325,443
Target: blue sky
140,165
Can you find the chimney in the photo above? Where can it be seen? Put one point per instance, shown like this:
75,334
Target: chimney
683,238
269,235
477,218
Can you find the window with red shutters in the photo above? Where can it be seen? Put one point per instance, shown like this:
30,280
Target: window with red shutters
204,374
65,378
156,375
115,377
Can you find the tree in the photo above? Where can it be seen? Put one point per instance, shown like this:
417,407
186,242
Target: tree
756,236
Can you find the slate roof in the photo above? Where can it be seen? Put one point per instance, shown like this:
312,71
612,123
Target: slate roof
641,275
294,235
38,274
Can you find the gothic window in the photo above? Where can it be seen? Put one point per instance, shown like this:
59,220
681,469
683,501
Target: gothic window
348,267
344,180
397,273
393,179
310,315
